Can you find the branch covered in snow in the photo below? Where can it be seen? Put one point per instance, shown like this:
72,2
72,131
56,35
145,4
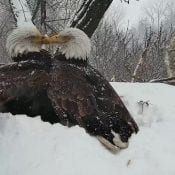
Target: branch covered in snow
170,80
21,12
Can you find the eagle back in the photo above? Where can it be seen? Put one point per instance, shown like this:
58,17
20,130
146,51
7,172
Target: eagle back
69,90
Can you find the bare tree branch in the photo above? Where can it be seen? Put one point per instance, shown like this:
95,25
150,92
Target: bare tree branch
170,80
21,12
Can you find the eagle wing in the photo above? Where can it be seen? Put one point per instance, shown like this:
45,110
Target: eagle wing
74,99
70,94
19,86
108,98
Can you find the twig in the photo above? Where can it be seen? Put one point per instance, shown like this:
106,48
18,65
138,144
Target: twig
162,80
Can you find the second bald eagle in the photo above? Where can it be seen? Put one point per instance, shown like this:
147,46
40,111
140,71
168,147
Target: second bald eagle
81,95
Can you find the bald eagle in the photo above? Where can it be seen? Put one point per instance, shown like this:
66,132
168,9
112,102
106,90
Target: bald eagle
64,89
81,95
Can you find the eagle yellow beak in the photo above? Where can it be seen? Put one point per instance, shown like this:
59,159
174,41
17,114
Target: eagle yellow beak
41,40
58,39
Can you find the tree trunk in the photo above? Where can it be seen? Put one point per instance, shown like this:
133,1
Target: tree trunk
89,15
21,13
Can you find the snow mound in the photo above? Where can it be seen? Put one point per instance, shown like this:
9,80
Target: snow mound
31,147
148,102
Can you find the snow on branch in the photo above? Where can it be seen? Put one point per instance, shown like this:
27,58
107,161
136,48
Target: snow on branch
21,12
170,80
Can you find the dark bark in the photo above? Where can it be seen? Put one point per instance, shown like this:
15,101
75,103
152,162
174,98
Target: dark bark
36,9
11,9
90,14
43,12
170,81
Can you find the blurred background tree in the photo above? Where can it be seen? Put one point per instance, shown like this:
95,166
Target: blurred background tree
121,54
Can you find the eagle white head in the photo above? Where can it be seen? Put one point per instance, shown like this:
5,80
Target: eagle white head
73,43
25,39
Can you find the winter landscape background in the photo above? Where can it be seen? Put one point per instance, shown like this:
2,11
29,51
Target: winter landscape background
127,33
142,30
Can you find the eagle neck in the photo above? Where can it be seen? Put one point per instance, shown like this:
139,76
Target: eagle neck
42,56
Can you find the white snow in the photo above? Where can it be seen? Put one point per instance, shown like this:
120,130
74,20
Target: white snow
31,147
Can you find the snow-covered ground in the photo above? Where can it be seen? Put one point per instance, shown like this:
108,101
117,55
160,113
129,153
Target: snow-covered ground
31,147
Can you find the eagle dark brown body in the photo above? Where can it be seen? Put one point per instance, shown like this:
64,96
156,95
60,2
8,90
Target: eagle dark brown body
64,89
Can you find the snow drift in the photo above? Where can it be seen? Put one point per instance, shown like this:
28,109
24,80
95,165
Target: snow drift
29,146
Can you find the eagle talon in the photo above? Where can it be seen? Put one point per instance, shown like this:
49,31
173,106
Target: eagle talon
117,141
117,144
108,145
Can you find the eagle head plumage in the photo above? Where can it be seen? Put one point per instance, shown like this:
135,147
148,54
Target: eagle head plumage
23,40
73,43
79,45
